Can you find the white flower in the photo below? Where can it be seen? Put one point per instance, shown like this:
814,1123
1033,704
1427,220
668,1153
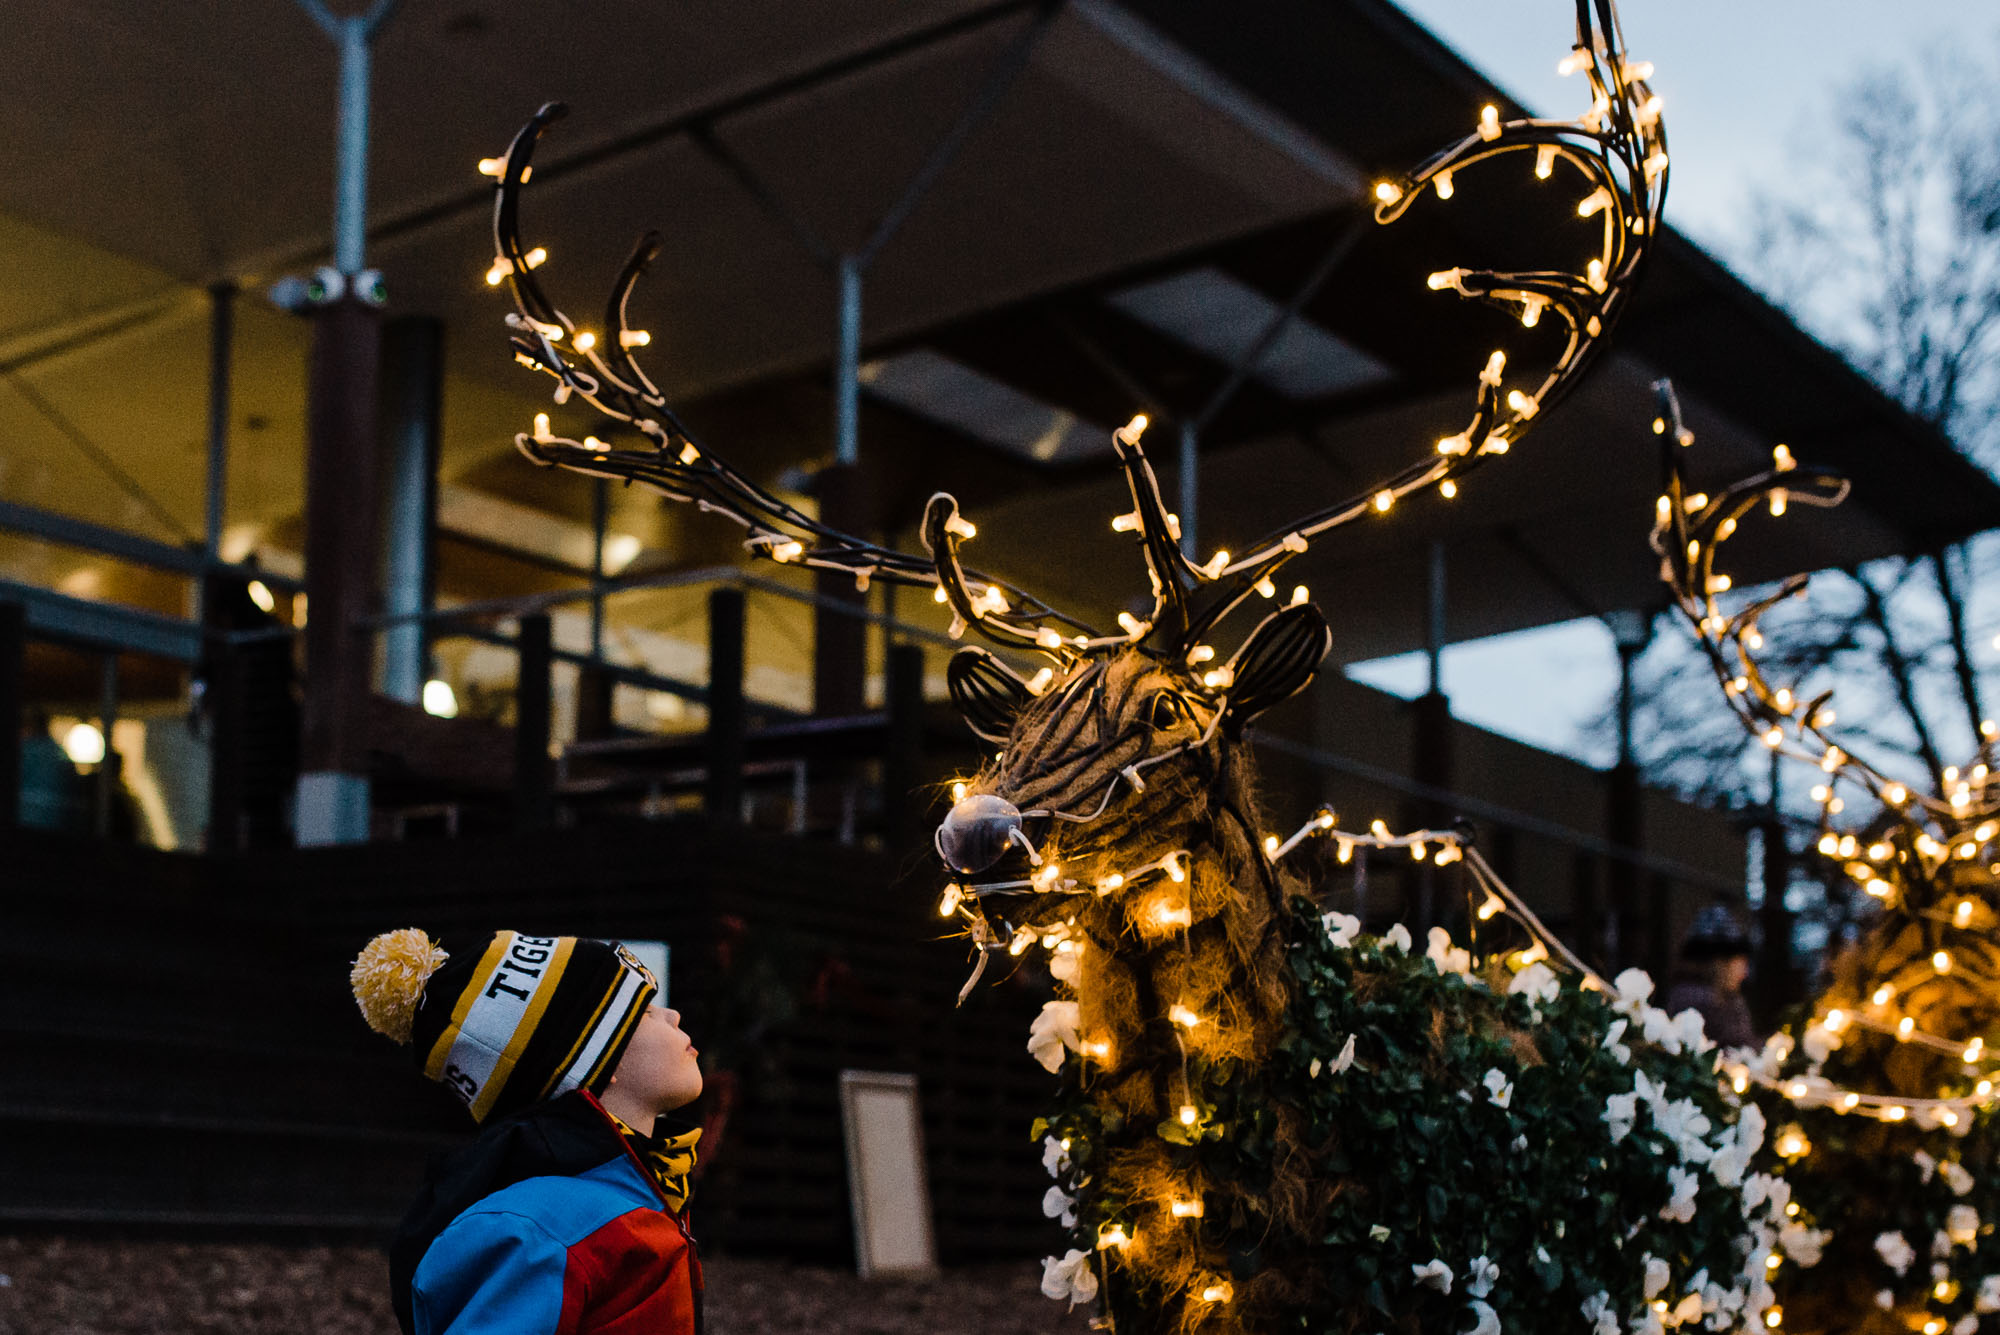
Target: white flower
1480,1276
1346,1057
1484,1320
1988,1297
1684,1123
1597,1311
1750,1127
1761,1190
1660,1029
1063,966
1633,987
1619,1052
1538,981
1728,1164
1055,1155
1499,1089
1954,1175
1926,1166
1071,1277
1399,937
1680,1205
1687,1309
1341,928
1620,1111
1803,1244
1447,957
1688,1028
1895,1251
1966,1325
1433,1274
1962,1224
1052,1031
1819,1043
1059,1204
1648,1323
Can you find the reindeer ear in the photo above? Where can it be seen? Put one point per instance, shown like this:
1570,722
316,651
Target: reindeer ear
1278,661
987,693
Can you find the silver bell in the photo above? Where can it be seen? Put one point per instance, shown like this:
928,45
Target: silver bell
976,832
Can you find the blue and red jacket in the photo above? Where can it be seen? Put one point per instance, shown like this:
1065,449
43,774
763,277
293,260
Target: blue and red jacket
548,1224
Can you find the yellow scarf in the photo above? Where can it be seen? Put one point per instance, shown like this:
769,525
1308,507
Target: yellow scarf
669,1158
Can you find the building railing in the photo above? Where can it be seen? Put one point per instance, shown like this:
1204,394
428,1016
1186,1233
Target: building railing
766,762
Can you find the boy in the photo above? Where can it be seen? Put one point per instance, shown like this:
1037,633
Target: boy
565,1216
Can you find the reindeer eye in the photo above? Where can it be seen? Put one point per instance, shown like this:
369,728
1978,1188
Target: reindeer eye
1168,709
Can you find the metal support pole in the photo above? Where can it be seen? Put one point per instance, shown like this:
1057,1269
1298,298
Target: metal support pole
13,650
727,722
600,512
1626,655
1774,965
350,190
221,337
342,513
106,787
1190,485
847,365
355,37
904,806
412,379
534,770
1432,732
1434,636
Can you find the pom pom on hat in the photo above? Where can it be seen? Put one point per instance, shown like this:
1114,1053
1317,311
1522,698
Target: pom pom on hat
388,979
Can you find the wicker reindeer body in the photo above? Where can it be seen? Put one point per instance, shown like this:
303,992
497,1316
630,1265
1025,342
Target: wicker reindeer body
1171,925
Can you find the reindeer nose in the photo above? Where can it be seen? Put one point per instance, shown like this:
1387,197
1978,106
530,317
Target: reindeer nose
976,832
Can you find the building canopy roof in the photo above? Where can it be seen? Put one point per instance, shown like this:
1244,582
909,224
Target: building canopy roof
1158,180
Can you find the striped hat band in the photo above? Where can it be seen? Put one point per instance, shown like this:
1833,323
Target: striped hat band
529,1017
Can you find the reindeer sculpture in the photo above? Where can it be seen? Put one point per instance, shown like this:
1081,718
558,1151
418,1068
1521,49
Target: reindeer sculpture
1885,1086
1117,826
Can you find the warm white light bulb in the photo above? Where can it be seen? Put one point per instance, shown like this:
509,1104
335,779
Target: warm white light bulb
439,699
84,744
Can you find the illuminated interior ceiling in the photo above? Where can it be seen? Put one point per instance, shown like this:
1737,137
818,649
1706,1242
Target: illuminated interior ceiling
1162,177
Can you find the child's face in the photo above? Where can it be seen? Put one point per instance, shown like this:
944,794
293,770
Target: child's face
658,1069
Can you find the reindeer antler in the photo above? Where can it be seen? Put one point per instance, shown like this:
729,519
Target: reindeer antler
1619,148
603,373
1688,532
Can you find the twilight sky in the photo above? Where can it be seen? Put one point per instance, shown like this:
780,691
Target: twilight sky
1743,82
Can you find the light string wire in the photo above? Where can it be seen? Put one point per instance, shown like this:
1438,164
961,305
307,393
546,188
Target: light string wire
1502,900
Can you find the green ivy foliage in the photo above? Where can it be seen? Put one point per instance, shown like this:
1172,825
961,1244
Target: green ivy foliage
1468,1126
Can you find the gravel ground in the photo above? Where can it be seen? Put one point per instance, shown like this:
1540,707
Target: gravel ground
53,1286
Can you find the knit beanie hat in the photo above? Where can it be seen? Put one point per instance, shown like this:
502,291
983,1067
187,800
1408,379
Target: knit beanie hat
506,1020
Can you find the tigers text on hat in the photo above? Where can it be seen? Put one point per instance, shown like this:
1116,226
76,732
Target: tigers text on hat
507,1020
